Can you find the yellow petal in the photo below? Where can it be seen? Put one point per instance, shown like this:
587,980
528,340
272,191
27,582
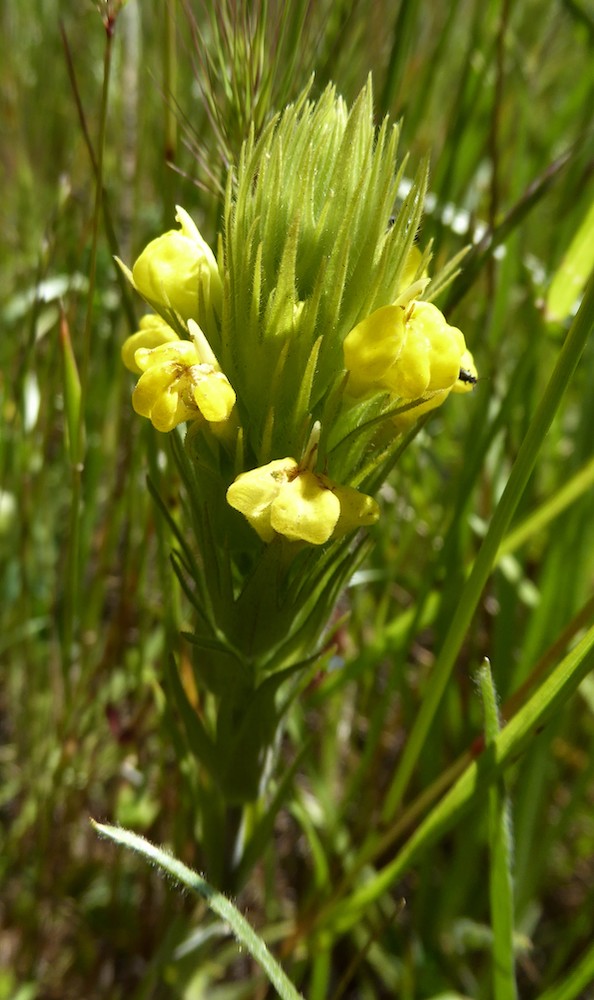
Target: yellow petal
357,510
409,375
372,347
305,510
253,493
214,396
152,384
445,344
168,411
172,268
153,332
180,353
408,350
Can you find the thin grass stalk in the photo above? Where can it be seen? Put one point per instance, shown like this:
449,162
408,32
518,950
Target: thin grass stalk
475,782
500,868
109,229
579,979
217,902
471,85
483,250
486,558
170,67
403,33
321,974
418,113
378,844
572,490
72,583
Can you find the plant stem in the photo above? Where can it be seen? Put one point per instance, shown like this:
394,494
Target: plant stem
500,873
72,586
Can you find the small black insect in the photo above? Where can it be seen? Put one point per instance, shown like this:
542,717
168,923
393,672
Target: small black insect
466,376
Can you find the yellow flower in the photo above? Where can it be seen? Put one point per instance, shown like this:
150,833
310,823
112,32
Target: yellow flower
181,381
173,268
281,498
153,332
407,349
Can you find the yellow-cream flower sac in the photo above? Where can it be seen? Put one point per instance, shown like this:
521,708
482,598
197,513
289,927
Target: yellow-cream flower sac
281,498
177,385
467,377
172,268
153,332
407,350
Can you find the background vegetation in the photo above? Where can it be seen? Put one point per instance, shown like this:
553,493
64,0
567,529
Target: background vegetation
500,95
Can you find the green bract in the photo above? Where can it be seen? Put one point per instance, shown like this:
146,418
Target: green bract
308,253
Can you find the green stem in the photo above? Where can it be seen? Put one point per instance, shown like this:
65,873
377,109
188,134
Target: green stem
580,978
72,587
500,869
170,107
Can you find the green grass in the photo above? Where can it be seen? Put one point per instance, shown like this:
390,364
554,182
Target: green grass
405,860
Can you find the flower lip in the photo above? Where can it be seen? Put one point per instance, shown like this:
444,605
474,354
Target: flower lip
153,331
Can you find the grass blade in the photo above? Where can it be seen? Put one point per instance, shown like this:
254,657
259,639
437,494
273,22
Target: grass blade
218,903
500,842
571,275
579,978
478,777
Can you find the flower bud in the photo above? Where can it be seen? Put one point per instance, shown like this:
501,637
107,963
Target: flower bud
175,267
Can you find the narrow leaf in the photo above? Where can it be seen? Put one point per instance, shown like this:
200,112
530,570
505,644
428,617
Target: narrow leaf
571,275
218,903
198,739
579,979
477,778
72,393
500,875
